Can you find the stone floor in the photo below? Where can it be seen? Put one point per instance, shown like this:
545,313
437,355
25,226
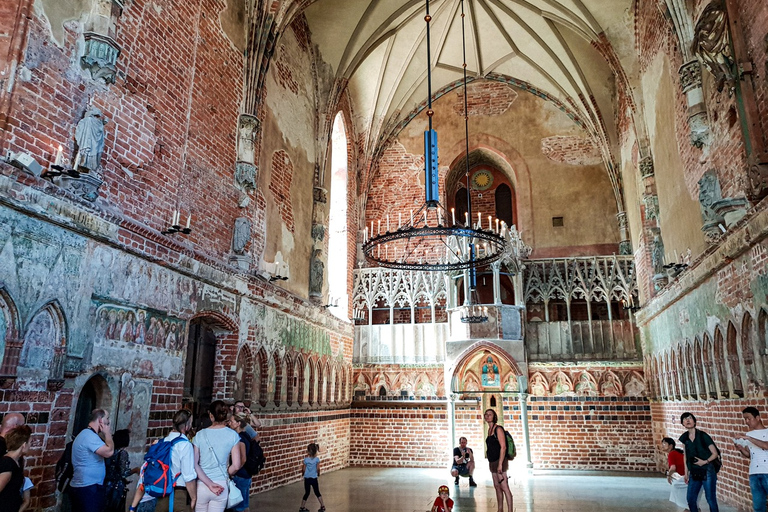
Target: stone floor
414,490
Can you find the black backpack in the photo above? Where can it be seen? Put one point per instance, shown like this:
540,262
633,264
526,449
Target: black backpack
254,461
64,469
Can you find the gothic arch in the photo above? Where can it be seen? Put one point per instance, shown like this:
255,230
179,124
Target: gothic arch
698,365
10,340
748,338
708,364
45,336
732,360
260,377
721,371
97,391
277,395
242,380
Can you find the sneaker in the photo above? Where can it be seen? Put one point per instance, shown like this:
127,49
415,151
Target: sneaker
456,482
472,482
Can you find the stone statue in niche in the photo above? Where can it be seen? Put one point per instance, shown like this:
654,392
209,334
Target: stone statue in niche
316,273
586,385
711,43
709,193
89,135
245,175
241,235
248,129
634,386
361,385
657,254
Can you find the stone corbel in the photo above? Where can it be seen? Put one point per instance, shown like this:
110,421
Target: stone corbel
646,167
713,224
245,175
101,51
651,202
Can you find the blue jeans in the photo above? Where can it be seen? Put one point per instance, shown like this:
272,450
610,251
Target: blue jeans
244,484
710,491
147,506
759,486
91,498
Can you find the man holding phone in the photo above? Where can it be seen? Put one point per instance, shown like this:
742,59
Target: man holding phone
90,448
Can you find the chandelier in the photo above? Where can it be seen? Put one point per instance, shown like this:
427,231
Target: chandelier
429,239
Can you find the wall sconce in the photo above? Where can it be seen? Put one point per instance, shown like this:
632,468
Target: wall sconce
58,168
175,227
278,278
332,303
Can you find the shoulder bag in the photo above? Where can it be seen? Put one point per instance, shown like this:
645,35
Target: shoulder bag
235,497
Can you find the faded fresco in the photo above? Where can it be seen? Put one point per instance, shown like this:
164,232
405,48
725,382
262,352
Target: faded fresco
143,326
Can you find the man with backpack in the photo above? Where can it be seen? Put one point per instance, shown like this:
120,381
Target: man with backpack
168,481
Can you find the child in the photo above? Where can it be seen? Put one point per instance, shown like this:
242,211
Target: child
311,473
26,496
442,503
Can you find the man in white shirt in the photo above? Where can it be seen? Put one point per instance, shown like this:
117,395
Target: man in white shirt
754,445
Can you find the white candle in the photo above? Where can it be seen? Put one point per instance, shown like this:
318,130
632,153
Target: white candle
497,226
453,216
399,219
77,161
173,216
372,235
425,216
189,219
466,219
479,220
388,230
411,217
59,156
490,224
379,226
176,217
439,218
365,235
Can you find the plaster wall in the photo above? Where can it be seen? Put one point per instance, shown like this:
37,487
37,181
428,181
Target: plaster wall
543,187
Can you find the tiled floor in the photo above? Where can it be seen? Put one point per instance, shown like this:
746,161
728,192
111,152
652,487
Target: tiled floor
414,490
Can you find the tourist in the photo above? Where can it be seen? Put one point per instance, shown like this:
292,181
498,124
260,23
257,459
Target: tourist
213,447
118,469
88,453
242,479
182,464
11,473
442,503
701,457
311,468
463,462
26,494
496,451
253,422
754,445
675,473
11,420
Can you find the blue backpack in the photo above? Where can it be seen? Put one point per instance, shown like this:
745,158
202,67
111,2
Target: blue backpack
158,479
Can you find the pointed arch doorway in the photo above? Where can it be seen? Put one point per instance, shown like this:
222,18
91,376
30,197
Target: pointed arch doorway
487,377
199,370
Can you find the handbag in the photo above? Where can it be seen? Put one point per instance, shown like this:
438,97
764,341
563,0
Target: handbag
235,497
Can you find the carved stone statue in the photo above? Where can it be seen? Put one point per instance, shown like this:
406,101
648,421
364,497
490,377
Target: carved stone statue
711,42
242,235
316,271
89,135
709,193
657,254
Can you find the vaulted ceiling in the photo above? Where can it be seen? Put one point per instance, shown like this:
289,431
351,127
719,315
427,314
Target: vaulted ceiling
567,50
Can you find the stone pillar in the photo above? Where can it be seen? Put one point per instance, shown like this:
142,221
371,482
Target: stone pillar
625,245
496,267
522,388
690,81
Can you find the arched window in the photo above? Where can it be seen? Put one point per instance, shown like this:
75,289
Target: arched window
747,351
337,221
504,204
732,352
720,363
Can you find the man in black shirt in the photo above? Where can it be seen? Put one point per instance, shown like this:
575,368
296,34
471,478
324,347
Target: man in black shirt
463,462
10,421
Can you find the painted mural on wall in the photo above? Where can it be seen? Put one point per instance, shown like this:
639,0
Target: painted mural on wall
117,321
491,375
403,381
276,331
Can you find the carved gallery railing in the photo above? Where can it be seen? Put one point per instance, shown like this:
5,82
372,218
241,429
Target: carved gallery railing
607,284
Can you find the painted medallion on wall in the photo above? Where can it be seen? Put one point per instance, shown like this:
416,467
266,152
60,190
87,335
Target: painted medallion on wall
117,321
482,180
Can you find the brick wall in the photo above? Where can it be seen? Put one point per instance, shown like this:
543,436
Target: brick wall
722,420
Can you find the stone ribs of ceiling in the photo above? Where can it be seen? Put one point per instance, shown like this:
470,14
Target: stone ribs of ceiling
379,48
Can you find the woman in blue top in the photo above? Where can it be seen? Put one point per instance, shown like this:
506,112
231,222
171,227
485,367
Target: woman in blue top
311,472
242,479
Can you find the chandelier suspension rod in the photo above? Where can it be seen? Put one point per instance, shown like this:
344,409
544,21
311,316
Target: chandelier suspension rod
428,19
472,269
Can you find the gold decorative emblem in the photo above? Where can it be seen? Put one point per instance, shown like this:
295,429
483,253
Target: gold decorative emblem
482,180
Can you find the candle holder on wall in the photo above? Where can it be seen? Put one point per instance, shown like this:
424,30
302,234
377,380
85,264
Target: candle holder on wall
175,227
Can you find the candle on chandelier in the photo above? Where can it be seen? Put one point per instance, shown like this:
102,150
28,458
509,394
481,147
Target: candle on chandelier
439,218
365,235
479,220
379,226
411,217
399,219
425,216
466,219
453,216
497,226
387,223
372,232
490,224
